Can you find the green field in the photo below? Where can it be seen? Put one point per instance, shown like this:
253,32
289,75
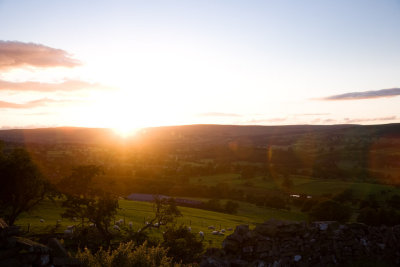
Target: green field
301,185
140,212
199,220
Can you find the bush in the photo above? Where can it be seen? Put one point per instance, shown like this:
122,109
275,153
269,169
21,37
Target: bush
231,207
126,255
182,245
330,211
377,217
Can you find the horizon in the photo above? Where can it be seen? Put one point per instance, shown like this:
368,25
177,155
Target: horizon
131,65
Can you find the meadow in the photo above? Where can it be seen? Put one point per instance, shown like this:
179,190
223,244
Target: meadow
301,185
139,212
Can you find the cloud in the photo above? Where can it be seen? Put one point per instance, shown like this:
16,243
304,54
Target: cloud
358,120
392,92
312,114
15,54
218,114
69,85
30,104
273,120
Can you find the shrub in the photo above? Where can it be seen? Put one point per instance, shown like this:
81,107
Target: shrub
231,207
182,245
377,217
330,211
126,255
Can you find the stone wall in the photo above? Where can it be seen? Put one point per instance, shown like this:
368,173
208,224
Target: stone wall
19,251
282,243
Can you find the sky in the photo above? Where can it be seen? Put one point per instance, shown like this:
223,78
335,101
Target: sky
131,64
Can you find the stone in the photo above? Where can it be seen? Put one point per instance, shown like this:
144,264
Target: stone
57,249
282,243
3,224
241,229
8,253
267,229
248,249
230,246
66,261
10,262
238,263
31,246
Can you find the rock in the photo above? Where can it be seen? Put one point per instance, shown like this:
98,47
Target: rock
282,243
296,258
43,260
268,229
57,249
213,262
238,263
66,262
241,229
31,246
248,249
231,246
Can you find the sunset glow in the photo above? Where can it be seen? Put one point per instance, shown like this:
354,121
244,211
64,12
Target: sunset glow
149,64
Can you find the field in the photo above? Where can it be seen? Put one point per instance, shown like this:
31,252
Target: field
199,220
301,185
140,212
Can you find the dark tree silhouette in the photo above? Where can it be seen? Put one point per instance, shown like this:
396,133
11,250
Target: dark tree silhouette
330,211
182,245
165,211
88,201
22,185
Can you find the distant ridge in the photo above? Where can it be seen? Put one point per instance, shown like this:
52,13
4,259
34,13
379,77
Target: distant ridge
192,133
77,135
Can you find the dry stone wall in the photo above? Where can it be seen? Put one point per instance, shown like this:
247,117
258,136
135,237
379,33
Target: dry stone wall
18,251
281,243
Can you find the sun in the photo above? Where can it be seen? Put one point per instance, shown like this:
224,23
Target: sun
125,131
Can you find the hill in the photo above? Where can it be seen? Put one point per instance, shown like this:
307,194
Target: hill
200,133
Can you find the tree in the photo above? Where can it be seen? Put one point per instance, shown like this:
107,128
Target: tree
231,207
287,183
377,217
330,211
346,195
22,185
182,245
394,202
165,211
86,200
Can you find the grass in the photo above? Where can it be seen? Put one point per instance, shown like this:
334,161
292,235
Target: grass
139,212
302,185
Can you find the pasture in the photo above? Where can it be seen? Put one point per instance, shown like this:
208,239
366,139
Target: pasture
301,185
140,212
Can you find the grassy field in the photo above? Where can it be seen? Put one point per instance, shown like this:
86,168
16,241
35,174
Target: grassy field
140,212
199,220
301,185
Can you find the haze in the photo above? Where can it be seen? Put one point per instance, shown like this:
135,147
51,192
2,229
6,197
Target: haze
132,64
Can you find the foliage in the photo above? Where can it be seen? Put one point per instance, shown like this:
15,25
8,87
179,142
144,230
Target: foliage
213,204
394,202
22,186
370,201
182,244
138,237
308,205
87,201
126,255
330,211
165,212
231,207
346,195
377,217
287,183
